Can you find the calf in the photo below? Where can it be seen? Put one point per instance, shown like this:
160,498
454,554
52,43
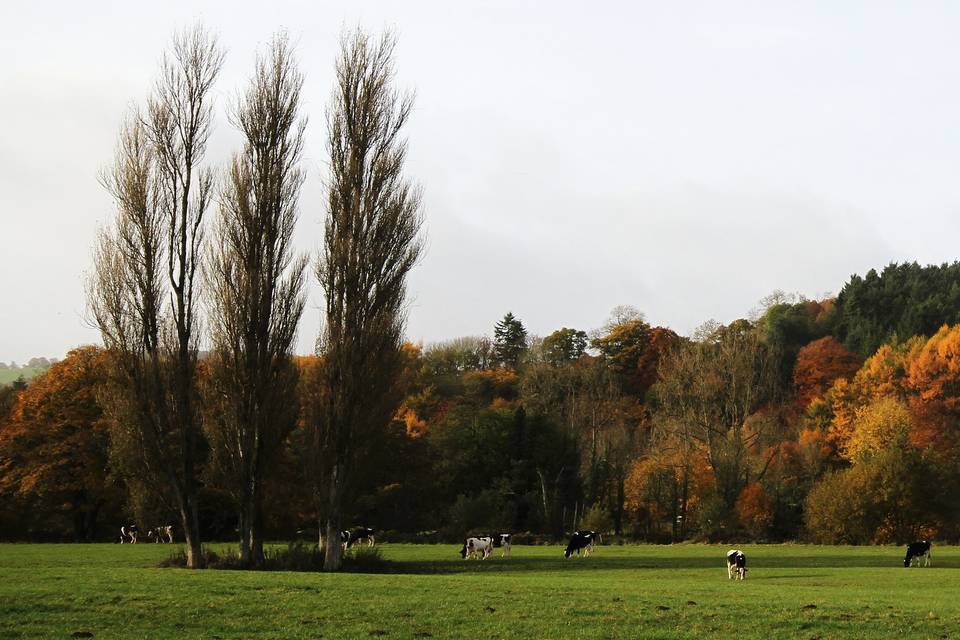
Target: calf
918,550
474,547
161,534
581,541
736,565
128,533
359,534
502,540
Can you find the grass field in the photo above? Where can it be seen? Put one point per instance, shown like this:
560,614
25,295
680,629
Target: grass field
792,591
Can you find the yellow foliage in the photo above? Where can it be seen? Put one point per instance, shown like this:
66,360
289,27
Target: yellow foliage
883,423
933,372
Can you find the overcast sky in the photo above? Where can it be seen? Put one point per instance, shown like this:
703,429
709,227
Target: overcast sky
683,158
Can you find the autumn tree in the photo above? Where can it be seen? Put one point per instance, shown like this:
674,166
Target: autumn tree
754,510
143,293
621,343
256,284
509,341
819,363
54,450
564,345
371,242
708,390
586,398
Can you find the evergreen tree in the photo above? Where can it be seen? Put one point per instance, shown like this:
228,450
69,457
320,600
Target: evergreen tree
509,341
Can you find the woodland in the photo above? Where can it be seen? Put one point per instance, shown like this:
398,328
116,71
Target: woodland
833,420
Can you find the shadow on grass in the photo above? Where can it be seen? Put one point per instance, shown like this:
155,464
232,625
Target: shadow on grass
599,563
301,557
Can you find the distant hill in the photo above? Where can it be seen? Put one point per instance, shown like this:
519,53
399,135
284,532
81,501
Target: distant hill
34,367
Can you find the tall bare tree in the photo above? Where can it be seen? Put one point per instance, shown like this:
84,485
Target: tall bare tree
708,389
143,289
256,284
371,241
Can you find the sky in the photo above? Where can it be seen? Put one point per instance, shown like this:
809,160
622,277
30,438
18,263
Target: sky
685,158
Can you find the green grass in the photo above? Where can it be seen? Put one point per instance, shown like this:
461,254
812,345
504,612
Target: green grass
682,591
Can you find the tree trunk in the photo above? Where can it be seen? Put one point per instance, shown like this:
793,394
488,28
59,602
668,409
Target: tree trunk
333,553
621,501
256,533
190,522
244,525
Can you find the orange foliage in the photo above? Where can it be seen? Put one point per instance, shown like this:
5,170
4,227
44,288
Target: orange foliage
488,384
659,342
819,364
933,372
754,510
415,427
815,448
933,379
54,448
843,404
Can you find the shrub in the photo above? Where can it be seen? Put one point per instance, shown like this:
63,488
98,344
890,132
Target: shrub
597,518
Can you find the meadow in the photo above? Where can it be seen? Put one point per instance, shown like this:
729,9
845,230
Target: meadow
680,591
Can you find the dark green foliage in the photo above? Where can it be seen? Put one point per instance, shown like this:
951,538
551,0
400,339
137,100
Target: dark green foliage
788,327
503,469
509,341
904,300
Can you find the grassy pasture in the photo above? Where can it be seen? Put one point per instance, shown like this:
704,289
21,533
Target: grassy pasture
792,591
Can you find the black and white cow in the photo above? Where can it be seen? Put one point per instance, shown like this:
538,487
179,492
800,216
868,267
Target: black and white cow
736,565
480,547
128,533
582,541
360,534
916,551
502,540
161,534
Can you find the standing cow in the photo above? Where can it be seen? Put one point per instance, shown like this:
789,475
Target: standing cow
161,534
502,540
480,547
360,534
916,551
581,541
736,565
128,533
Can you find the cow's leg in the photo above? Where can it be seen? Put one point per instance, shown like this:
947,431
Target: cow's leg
729,571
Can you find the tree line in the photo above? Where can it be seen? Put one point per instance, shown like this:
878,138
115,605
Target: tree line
768,428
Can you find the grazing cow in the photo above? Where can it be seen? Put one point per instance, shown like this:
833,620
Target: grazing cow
128,533
917,550
736,565
161,534
480,547
581,541
502,540
358,535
